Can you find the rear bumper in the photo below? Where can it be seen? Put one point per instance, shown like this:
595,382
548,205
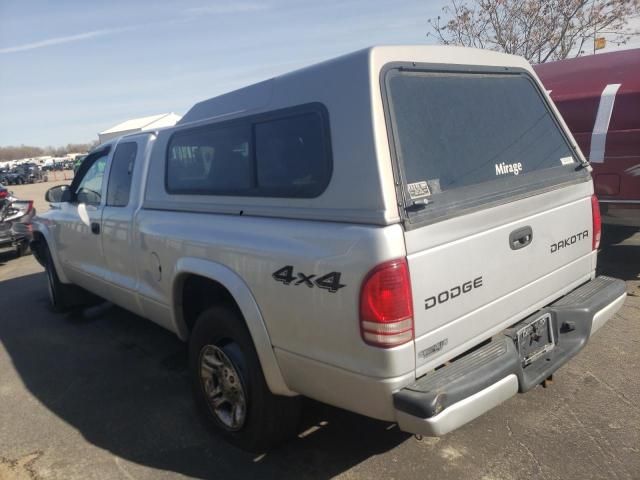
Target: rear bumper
455,394
7,247
10,244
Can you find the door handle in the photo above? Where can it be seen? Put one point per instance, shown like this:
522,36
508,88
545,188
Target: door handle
95,228
520,238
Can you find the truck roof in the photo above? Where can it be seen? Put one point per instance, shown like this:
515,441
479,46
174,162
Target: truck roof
586,76
577,84
371,59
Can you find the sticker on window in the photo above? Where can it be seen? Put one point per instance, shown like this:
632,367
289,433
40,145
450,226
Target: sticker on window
567,160
418,190
505,168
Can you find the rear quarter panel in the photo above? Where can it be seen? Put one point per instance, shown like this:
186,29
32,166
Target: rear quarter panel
300,317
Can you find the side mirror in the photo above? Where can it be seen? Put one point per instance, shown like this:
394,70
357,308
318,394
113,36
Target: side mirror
57,194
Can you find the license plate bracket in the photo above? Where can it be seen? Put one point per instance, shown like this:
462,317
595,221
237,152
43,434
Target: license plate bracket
534,339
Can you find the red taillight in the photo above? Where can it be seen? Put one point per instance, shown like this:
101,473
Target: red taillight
386,306
597,222
3,194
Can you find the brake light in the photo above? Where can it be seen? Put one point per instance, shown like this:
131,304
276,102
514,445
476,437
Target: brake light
597,222
386,306
3,194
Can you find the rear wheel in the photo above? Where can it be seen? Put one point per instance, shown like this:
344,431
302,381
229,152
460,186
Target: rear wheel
229,387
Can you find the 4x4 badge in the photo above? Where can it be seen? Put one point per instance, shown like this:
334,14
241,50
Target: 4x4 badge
330,281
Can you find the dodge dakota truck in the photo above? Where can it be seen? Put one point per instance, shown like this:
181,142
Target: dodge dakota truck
407,232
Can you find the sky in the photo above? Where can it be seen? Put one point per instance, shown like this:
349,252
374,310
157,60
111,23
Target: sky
69,69
72,68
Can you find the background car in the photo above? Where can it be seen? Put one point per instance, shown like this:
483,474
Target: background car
599,99
4,193
15,222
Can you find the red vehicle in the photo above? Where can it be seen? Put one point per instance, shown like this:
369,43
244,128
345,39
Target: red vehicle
599,98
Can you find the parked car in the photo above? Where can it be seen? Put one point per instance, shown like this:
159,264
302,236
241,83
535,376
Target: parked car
3,176
16,176
408,233
599,98
26,173
4,193
15,223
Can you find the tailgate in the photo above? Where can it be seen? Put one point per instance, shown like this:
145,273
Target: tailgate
469,282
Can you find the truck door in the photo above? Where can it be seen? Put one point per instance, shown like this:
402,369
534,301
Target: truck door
122,201
79,228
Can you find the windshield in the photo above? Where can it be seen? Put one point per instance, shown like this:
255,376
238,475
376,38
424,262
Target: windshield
462,138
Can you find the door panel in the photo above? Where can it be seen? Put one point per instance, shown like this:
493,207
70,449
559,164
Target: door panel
79,228
123,192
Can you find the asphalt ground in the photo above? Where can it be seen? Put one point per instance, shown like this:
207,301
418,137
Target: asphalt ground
105,395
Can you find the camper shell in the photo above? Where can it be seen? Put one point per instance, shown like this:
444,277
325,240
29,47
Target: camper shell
351,91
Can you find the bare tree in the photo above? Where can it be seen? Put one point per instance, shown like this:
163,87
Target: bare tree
538,30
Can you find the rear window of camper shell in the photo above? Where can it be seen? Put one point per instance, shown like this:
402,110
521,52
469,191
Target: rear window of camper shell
466,138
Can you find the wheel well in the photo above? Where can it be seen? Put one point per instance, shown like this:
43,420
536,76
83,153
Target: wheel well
38,245
200,293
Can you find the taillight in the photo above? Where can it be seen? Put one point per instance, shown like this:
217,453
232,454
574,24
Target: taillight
597,222
386,306
3,194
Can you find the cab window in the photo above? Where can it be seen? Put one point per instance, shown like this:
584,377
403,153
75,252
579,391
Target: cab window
89,189
120,174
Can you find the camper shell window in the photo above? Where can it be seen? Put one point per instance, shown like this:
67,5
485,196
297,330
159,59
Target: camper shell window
286,153
466,138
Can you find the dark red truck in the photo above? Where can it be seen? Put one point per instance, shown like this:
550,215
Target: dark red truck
599,98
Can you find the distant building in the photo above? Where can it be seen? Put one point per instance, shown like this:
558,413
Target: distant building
138,125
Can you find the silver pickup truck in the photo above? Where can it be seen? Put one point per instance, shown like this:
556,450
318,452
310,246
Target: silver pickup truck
409,233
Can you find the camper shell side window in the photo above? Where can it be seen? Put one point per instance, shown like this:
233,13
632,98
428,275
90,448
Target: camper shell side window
285,153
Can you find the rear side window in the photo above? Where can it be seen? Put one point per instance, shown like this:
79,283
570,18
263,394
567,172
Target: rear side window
291,156
119,185
470,137
211,160
282,154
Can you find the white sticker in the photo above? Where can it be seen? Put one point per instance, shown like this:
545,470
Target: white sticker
601,125
567,160
418,190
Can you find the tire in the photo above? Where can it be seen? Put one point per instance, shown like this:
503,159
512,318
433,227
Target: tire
23,249
62,297
239,407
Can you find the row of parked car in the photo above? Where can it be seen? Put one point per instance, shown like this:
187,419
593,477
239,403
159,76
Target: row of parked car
21,174
59,166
